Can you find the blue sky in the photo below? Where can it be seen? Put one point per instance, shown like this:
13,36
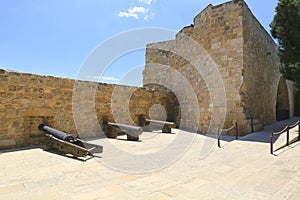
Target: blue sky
54,37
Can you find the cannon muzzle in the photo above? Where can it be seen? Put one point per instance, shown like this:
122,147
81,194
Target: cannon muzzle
56,133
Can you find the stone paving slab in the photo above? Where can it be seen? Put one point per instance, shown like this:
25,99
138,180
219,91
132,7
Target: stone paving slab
238,170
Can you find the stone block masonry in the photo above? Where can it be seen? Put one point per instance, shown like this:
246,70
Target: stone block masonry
244,61
26,100
216,72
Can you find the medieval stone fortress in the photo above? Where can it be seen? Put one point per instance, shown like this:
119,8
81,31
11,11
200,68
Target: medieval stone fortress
246,62
219,72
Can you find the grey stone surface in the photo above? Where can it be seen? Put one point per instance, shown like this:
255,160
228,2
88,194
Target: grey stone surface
241,169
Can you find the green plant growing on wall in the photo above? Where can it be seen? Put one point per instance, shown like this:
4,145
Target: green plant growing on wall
285,27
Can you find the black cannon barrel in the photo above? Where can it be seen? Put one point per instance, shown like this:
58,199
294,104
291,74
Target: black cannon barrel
125,127
56,133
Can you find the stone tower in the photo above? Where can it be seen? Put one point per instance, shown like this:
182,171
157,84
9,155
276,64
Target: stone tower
222,69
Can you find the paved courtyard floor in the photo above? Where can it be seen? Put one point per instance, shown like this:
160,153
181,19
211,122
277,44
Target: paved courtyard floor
159,167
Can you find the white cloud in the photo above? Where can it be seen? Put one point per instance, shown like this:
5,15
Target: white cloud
135,12
146,1
109,78
146,17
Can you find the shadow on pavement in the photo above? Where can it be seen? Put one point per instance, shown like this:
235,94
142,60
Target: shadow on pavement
264,135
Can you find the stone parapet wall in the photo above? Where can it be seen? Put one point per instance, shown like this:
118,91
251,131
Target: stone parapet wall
28,100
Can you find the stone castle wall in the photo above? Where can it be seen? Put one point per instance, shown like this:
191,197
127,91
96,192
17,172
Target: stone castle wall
261,77
216,33
227,37
218,71
28,100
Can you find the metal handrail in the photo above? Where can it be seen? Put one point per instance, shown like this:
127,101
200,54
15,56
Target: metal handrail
282,131
227,130
287,130
294,125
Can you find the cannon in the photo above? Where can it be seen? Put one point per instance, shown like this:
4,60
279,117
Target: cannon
166,126
67,143
113,129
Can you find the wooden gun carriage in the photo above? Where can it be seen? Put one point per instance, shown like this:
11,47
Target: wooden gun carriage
67,144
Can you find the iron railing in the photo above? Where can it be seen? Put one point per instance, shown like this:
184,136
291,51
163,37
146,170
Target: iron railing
287,130
220,131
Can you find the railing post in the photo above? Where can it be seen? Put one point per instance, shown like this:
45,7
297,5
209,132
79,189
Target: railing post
288,136
271,142
219,143
298,130
236,131
252,128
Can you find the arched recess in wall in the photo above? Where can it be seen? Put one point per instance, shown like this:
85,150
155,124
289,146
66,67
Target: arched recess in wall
282,103
297,103
170,104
